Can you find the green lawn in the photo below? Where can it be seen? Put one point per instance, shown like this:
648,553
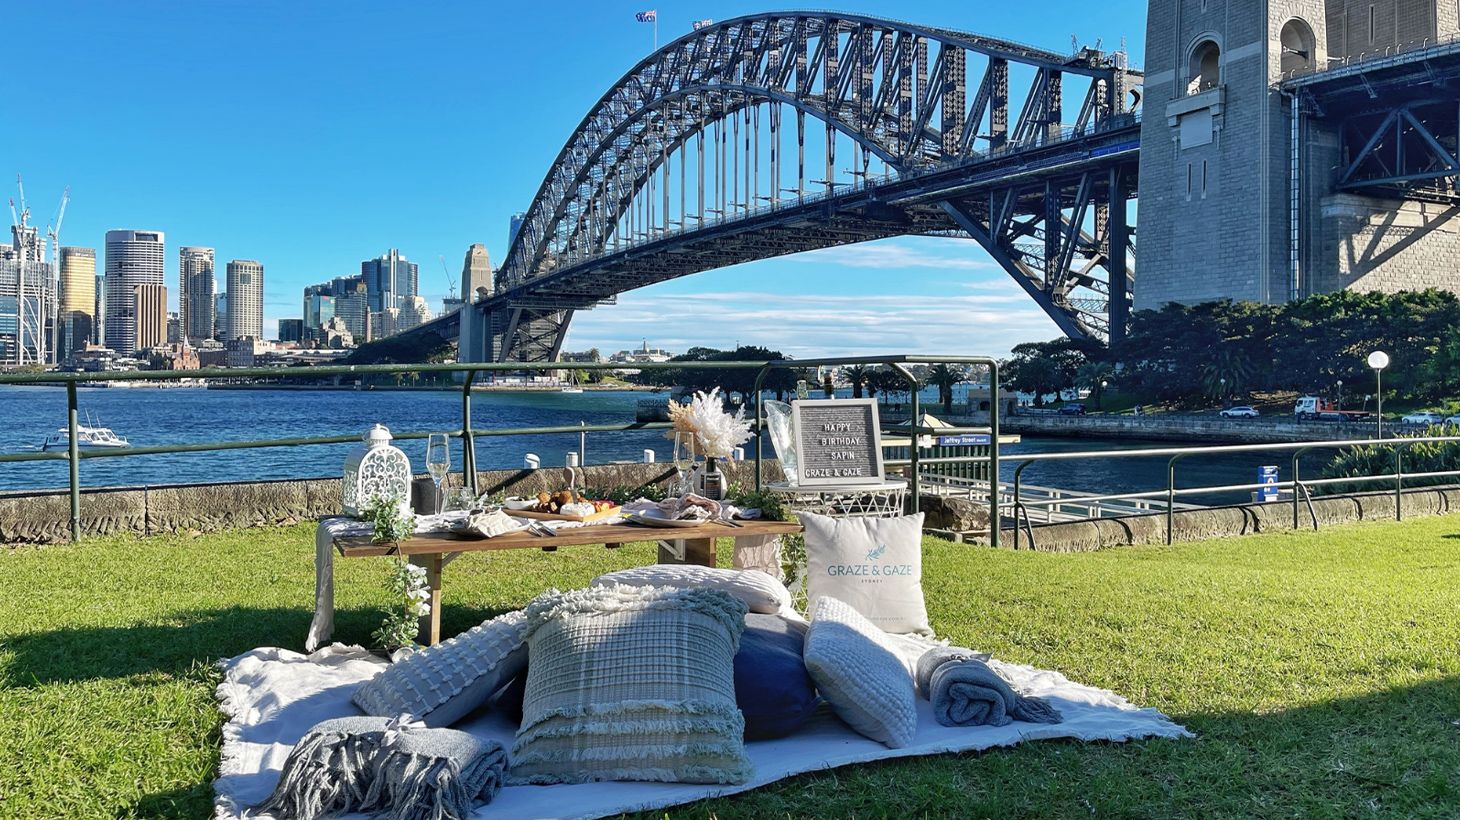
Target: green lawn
1320,672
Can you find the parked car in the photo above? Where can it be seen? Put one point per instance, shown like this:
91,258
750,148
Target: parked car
1455,419
1241,411
1072,410
1426,417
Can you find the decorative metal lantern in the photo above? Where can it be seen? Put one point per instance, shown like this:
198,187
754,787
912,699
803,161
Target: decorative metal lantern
376,470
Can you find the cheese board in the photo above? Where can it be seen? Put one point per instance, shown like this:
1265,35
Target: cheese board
585,519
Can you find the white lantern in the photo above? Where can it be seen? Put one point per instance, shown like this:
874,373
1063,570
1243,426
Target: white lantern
376,470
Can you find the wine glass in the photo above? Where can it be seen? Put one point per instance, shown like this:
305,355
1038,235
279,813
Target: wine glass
684,459
438,462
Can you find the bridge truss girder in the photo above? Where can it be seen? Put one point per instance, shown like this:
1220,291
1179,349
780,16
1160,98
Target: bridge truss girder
899,93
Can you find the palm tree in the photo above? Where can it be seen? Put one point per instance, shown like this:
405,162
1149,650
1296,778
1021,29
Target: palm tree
944,378
857,375
1093,376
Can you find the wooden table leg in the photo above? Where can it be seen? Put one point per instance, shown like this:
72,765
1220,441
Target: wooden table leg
698,551
430,628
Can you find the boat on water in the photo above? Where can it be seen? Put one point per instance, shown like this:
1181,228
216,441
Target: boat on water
88,437
572,385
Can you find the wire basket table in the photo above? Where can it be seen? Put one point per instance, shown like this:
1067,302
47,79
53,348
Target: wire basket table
884,500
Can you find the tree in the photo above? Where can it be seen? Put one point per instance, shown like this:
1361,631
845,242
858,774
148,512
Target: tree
1093,376
857,375
944,378
740,381
886,381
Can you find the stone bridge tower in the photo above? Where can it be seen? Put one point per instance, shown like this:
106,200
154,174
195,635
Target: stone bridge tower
1239,193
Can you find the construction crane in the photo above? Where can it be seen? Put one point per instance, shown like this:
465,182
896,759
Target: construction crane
54,233
450,280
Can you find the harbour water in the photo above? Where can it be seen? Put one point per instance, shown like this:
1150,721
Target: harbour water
150,417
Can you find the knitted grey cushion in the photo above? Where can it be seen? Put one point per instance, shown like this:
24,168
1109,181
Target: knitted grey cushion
441,684
761,592
632,683
860,675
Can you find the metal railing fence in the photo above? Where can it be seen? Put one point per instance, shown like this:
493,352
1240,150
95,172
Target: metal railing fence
73,455
1174,455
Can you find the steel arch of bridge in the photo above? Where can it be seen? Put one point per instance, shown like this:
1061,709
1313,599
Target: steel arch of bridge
880,84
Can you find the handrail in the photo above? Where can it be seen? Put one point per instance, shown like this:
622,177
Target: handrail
898,362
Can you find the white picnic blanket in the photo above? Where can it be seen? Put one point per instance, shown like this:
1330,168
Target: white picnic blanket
272,696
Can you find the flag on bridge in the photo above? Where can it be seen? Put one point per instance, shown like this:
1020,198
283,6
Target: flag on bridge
705,23
650,16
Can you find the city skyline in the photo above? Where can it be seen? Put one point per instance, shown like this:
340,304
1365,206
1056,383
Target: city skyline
458,174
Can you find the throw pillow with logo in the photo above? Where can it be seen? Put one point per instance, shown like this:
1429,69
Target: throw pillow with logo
875,565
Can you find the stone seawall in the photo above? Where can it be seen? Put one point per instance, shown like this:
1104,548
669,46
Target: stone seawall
45,516
1188,428
1243,519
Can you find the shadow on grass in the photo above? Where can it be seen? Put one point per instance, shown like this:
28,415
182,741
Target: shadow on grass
185,640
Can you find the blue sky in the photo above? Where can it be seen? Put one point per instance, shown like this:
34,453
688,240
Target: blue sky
312,135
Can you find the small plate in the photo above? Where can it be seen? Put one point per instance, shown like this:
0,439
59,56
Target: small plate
653,520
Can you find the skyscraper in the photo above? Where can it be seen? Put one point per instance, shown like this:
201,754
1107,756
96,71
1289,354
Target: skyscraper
245,299
352,305
149,310
197,285
27,298
476,274
98,316
514,227
133,258
77,313
220,316
388,279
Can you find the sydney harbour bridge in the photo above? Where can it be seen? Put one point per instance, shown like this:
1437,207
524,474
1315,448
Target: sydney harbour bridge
779,133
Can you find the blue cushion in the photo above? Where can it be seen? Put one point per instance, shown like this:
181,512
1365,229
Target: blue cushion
772,687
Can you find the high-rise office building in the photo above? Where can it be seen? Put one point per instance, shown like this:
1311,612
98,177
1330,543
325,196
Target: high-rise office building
352,305
76,317
291,330
245,299
98,316
319,308
476,274
388,279
197,287
149,315
514,227
27,299
133,259
220,316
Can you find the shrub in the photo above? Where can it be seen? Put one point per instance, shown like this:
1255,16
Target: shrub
1378,460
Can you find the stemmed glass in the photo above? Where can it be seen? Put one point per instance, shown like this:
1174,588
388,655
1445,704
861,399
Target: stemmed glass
438,462
684,460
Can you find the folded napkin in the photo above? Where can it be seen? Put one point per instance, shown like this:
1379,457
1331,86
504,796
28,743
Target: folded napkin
394,768
966,691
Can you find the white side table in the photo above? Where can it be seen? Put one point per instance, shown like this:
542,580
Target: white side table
884,500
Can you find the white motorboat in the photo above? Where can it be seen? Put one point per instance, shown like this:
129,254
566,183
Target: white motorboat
87,438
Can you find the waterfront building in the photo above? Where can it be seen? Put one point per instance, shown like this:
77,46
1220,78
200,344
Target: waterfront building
133,259
388,279
243,351
291,330
245,300
197,289
220,316
77,297
476,274
149,316
174,328
642,355
98,314
27,300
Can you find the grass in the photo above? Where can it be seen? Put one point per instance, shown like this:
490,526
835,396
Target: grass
1321,672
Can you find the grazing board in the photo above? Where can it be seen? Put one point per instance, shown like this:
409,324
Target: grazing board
544,516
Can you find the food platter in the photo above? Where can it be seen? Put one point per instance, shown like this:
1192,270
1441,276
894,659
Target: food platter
547,516
657,519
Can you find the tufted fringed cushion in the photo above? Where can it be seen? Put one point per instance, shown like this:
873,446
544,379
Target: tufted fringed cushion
860,675
761,592
632,683
441,684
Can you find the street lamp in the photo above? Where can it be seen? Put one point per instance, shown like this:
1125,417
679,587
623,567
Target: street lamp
1340,394
1223,397
1104,383
1379,360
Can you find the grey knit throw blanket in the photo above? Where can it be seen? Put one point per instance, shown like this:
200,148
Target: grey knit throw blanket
387,768
966,691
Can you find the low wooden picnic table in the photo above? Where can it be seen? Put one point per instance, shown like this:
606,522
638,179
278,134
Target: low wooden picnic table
681,545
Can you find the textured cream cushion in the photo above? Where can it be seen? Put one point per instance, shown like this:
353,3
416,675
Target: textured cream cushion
441,684
873,564
759,591
632,683
858,672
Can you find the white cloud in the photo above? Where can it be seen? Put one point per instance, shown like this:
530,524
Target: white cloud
804,325
921,252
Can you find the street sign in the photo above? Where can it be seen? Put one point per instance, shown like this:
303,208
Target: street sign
1268,478
967,440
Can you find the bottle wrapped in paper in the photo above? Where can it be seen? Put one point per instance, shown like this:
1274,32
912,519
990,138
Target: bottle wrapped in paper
783,437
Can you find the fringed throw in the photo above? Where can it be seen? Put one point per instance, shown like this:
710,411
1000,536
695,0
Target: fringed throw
393,769
329,772
966,691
